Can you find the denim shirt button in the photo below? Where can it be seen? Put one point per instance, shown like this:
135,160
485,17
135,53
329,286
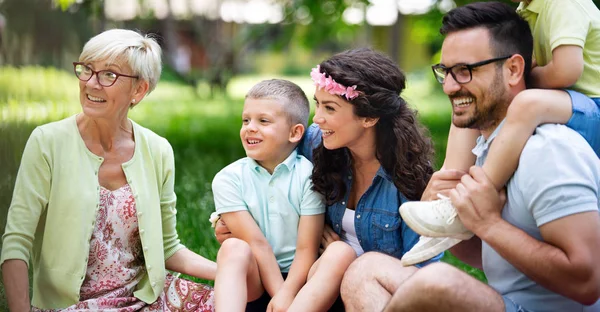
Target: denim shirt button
343,203
357,216
387,225
337,225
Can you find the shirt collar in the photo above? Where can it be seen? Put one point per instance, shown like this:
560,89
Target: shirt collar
483,144
289,162
382,173
532,7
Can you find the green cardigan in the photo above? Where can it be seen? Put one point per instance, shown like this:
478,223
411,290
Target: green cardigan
53,210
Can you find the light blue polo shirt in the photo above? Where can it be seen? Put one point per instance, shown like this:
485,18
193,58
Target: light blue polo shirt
275,201
558,175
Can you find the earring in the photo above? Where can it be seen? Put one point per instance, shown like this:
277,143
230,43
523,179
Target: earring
133,101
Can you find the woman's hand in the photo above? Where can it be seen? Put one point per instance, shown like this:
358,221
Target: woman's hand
329,236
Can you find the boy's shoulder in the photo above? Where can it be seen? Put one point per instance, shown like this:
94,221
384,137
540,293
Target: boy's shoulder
235,169
301,164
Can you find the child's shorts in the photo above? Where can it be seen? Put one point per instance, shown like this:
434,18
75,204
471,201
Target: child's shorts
511,306
586,118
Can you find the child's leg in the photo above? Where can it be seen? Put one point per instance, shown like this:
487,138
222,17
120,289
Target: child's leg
586,118
238,280
458,149
529,109
324,279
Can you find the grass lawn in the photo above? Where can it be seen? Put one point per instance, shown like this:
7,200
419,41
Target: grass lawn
204,133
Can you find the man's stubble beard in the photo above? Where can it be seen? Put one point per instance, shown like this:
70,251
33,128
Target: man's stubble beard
491,114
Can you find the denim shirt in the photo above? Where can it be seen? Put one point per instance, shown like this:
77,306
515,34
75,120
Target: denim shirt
377,221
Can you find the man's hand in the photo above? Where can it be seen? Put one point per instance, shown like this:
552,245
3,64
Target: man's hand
329,236
441,183
281,302
222,231
477,202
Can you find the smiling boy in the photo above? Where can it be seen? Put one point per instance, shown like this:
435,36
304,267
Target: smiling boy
266,200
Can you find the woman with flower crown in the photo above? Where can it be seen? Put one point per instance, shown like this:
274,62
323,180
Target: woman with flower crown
370,155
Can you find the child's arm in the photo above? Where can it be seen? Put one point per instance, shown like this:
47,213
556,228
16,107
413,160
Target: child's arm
230,204
562,71
533,107
529,109
310,231
242,226
458,149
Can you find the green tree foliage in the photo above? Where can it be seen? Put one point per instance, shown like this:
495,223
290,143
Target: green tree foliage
37,32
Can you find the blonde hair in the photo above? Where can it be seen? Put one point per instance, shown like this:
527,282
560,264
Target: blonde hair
141,52
295,103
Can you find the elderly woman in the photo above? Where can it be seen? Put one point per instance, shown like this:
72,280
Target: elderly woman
94,205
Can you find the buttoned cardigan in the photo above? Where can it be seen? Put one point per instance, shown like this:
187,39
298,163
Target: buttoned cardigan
56,199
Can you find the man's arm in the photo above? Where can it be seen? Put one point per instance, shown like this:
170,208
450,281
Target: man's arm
565,261
442,182
310,230
469,252
242,226
562,72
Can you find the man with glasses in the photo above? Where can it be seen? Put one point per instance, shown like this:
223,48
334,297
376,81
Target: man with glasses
539,245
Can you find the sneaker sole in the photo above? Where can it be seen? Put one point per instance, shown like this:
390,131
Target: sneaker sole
408,259
421,230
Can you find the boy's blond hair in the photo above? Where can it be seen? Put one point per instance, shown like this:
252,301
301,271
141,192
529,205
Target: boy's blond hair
294,101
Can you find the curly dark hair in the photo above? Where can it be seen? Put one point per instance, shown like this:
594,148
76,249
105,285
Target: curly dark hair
402,146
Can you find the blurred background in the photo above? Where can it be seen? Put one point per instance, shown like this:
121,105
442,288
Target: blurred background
214,51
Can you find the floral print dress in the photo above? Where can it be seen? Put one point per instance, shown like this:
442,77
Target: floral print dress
116,265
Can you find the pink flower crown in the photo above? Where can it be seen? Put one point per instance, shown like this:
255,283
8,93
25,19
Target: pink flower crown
331,86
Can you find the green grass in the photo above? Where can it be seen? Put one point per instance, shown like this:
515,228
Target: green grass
204,133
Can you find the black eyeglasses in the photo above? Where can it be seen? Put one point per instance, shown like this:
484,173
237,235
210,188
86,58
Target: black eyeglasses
105,78
462,73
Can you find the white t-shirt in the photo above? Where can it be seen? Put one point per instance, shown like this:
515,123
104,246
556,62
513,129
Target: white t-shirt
348,233
558,175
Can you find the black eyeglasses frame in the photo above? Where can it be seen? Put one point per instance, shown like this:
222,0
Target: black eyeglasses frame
470,67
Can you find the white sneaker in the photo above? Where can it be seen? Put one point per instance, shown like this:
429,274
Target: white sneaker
427,248
436,218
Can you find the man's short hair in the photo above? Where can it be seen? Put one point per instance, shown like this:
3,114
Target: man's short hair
294,100
509,33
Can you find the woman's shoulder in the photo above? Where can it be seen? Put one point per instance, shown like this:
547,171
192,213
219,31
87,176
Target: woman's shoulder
150,137
61,134
57,129
310,140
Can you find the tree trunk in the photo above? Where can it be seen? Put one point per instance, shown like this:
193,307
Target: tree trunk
396,37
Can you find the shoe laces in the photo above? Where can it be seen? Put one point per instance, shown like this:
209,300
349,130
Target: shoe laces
444,207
